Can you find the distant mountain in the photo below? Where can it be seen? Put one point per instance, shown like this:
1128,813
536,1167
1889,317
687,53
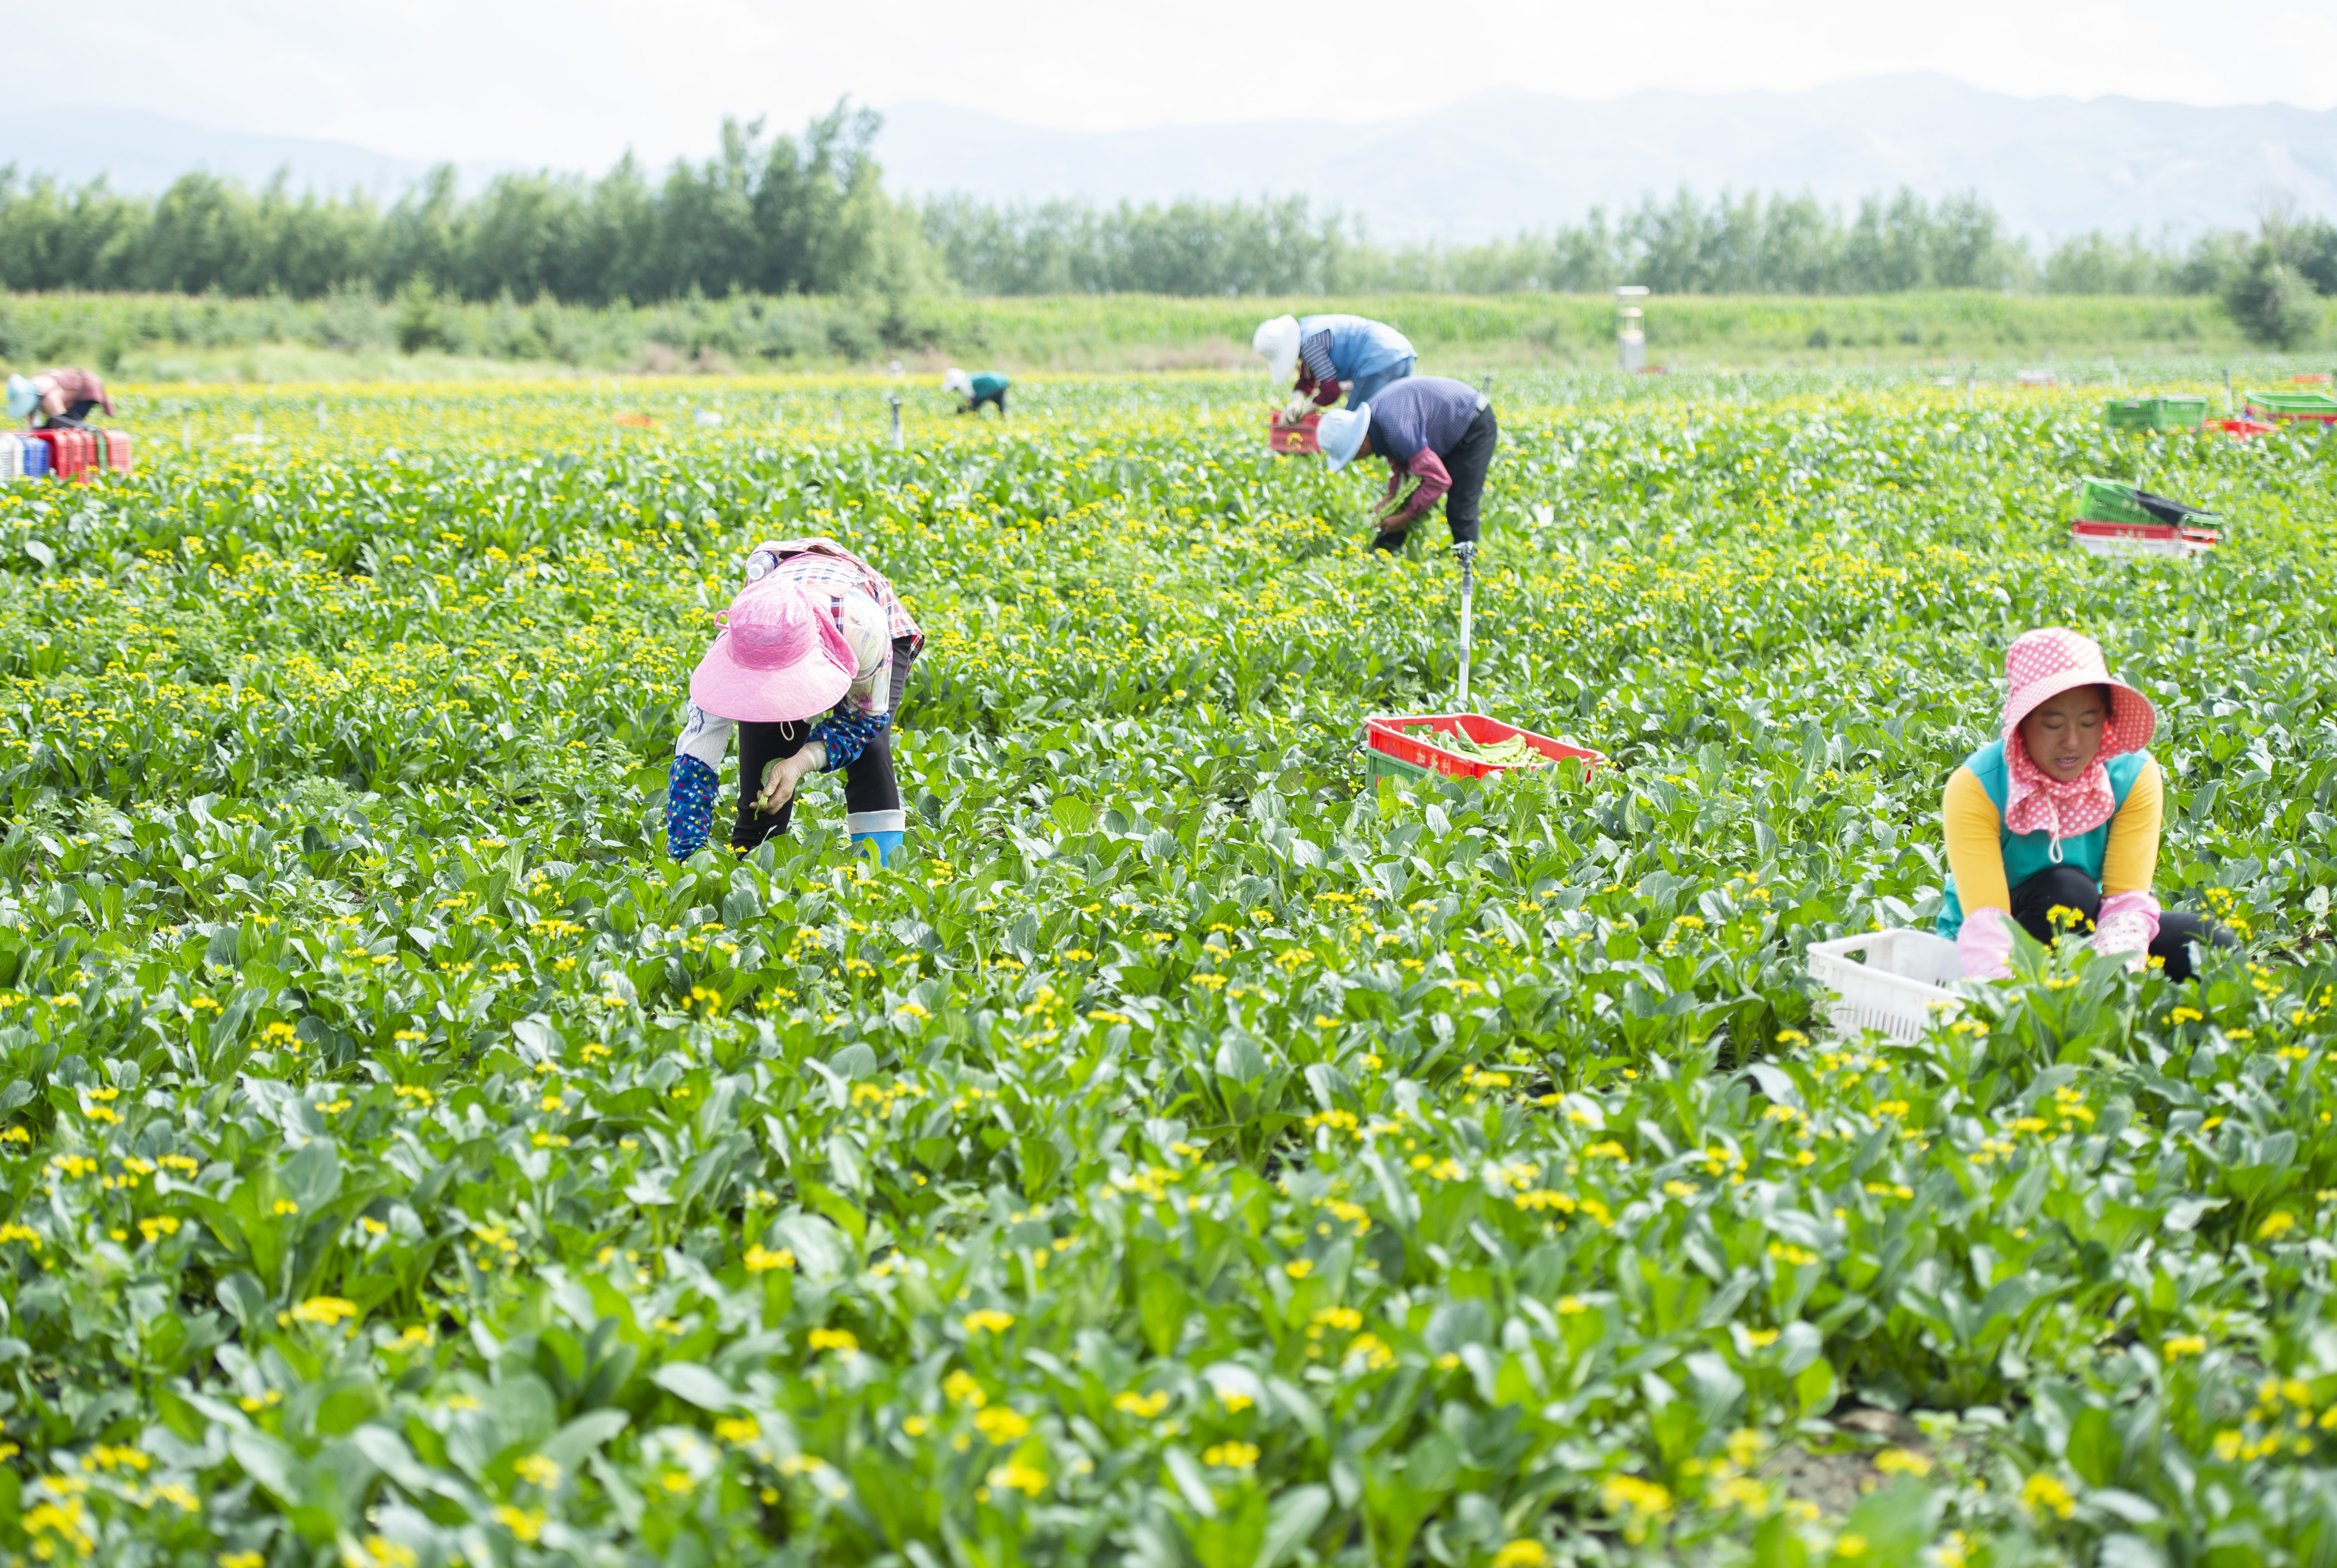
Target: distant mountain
1509,159
144,153
1486,167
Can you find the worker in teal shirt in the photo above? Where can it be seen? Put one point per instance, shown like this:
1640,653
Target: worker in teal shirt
1327,353
988,388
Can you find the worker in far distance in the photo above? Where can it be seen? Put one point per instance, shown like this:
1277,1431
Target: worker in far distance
809,669
63,398
1434,431
1327,353
2053,827
988,388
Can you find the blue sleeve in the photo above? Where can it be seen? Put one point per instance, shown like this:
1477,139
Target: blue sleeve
847,732
689,793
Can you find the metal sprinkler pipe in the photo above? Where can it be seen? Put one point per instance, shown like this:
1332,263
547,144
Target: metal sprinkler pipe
1465,553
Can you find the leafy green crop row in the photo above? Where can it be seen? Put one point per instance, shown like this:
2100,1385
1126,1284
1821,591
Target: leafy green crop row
1185,1157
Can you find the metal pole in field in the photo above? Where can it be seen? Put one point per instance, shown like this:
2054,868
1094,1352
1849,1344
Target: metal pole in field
1466,553
898,442
2228,410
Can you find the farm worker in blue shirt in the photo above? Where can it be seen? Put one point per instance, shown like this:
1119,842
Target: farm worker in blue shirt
1431,429
1326,352
808,671
988,388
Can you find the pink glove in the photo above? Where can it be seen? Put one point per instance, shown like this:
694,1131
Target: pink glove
1985,945
2128,924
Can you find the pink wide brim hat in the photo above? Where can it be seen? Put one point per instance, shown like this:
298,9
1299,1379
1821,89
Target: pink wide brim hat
779,658
2041,664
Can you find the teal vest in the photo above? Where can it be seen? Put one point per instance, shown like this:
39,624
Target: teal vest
2026,854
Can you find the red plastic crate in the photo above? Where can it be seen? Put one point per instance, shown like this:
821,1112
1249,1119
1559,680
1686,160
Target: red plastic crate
1294,438
72,452
2242,429
2135,539
1404,739
114,450
2302,415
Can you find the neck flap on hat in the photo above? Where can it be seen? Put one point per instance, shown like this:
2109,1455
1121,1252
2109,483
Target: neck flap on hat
2036,801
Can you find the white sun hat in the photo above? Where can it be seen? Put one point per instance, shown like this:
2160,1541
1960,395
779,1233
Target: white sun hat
958,381
1340,434
1277,340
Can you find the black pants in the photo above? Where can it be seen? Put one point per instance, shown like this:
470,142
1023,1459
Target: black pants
74,417
1471,459
2066,887
869,782
998,397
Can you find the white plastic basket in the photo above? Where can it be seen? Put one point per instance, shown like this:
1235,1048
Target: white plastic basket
1893,982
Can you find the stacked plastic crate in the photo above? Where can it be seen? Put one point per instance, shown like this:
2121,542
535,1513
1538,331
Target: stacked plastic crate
2114,517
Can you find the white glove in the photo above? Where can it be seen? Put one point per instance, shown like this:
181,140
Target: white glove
1299,406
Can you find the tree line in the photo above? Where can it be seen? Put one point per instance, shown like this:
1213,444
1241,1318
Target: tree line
808,214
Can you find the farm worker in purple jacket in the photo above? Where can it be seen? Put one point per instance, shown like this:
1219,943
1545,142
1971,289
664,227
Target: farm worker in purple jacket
809,669
1434,431
1326,352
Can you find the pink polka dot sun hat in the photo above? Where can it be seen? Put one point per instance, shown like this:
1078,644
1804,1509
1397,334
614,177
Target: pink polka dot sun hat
2043,664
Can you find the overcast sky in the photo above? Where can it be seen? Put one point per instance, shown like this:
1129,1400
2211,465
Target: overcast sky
572,84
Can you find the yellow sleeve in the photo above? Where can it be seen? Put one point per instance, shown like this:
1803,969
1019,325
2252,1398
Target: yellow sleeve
2130,859
1972,824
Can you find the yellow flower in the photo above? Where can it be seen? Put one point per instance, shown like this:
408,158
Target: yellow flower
538,1471
1001,1425
324,1310
527,1524
2177,1346
1018,1477
989,1318
759,1261
1631,1495
2276,1224
1522,1554
1902,1462
2042,1495
834,1339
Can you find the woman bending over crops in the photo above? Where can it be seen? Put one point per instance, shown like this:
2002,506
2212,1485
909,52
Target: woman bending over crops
809,669
1326,352
63,398
1437,432
976,390
2057,821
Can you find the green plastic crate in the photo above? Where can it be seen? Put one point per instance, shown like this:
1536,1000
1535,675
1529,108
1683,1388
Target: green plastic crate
1378,766
2294,405
2157,413
2108,500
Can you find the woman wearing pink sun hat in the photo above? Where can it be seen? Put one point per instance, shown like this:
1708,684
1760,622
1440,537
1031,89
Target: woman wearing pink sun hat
2061,812
809,669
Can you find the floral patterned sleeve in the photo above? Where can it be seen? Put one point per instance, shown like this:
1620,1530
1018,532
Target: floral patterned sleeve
690,788
846,730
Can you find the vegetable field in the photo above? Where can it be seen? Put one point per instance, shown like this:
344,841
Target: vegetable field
1187,1157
